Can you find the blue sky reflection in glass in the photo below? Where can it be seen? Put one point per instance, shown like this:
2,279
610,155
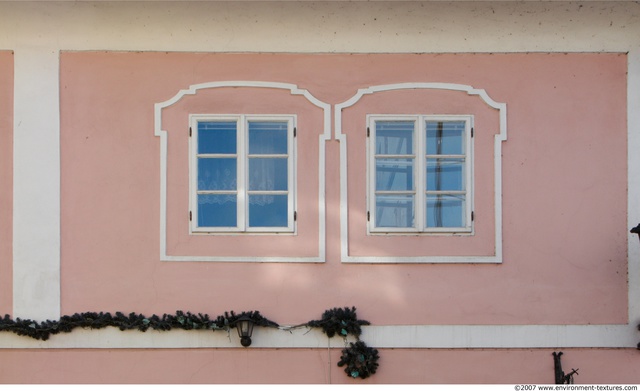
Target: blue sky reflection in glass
268,173
394,179
217,174
445,174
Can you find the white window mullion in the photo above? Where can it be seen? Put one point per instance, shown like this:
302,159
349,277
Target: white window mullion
371,174
252,155
242,164
193,174
420,174
291,177
468,166
418,160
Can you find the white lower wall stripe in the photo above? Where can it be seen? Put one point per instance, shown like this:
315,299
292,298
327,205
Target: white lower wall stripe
401,336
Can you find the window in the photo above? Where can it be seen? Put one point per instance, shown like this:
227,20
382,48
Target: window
420,174
242,173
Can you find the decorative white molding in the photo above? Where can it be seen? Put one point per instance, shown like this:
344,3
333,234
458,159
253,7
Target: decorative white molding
113,338
325,136
499,138
394,336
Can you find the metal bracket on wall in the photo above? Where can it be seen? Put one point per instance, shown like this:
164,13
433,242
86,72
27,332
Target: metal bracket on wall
561,377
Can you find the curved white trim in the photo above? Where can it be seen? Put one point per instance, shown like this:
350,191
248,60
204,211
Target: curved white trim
499,138
325,136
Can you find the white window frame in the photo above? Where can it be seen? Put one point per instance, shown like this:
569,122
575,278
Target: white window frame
419,174
242,156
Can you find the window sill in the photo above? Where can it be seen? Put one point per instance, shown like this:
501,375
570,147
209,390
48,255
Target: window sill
244,233
461,232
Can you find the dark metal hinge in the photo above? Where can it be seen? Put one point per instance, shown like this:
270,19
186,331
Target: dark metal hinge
471,132
295,216
368,216
190,216
368,131
295,132
189,131
473,216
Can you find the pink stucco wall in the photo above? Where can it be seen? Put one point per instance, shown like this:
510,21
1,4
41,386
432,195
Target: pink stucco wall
6,175
564,192
278,366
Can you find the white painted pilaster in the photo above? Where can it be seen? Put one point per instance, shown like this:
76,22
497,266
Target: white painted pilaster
633,158
36,179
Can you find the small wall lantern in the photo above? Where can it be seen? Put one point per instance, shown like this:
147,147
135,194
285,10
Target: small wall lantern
244,325
636,230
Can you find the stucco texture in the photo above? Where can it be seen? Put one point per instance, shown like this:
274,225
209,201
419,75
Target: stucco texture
564,193
303,366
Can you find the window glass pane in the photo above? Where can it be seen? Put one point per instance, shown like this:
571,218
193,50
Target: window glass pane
445,174
394,137
268,137
217,174
217,210
268,174
394,174
217,137
394,211
445,138
268,210
445,211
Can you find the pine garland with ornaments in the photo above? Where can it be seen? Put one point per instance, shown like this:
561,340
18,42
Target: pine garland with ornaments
360,360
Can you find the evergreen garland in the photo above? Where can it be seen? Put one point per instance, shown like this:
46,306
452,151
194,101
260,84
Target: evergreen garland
360,360
341,321
94,320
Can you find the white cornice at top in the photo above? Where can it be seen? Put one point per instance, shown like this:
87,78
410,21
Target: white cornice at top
328,27
316,1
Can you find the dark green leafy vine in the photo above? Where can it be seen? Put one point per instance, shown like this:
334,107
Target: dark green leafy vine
340,321
360,360
93,320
